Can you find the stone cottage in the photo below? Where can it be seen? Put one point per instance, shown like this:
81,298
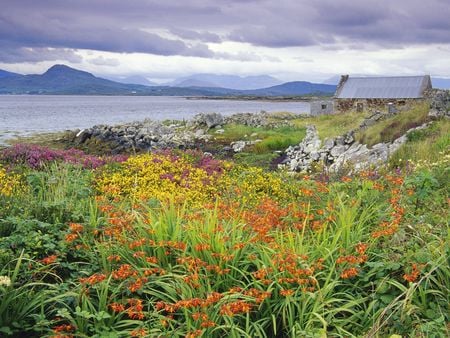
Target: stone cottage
386,94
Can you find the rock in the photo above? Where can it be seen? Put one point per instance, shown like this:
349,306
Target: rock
299,158
210,120
227,149
440,103
349,138
238,146
199,133
328,144
315,156
338,150
83,136
220,131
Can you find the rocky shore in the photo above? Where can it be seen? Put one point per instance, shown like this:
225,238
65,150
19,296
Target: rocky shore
333,153
149,135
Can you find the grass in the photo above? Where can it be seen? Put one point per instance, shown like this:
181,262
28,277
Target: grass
263,153
426,145
260,255
329,126
45,139
273,138
393,127
263,160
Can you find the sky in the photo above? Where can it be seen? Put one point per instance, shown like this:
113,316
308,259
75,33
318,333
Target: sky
161,40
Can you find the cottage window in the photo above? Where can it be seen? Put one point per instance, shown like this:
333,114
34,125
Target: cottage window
324,106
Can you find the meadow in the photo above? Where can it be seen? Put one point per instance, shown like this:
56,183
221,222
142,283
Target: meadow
179,244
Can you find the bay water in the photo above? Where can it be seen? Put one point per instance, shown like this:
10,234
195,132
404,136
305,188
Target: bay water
24,115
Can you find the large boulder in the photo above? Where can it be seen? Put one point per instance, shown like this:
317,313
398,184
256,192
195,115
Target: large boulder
210,120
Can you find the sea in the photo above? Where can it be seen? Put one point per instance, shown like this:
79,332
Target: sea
25,115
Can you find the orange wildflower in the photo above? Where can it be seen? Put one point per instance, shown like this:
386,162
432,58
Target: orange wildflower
361,248
413,275
207,323
117,307
49,259
199,316
194,334
286,292
139,333
124,272
71,237
137,284
134,311
349,273
114,258
234,308
76,227
93,279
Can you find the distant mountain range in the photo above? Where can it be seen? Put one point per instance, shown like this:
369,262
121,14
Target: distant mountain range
226,81
61,79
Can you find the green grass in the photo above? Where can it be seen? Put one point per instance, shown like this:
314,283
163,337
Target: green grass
393,127
227,244
262,153
426,145
263,160
235,132
329,126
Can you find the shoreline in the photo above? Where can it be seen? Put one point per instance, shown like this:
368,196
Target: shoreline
259,98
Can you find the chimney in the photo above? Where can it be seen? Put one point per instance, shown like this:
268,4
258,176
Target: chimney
344,79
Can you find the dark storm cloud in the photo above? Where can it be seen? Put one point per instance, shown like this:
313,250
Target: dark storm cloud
184,27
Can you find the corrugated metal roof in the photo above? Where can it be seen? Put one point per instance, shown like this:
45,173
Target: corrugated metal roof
401,87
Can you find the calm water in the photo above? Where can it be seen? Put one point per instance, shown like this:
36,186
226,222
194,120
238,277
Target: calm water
24,115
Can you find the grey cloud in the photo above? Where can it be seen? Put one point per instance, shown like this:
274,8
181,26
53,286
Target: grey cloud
133,26
33,55
95,37
194,35
265,36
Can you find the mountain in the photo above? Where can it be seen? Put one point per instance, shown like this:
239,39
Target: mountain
226,81
4,73
191,82
440,83
296,88
135,79
61,79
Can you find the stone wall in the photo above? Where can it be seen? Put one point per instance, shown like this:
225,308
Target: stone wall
347,105
440,103
344,150
321,107
340,152
145,135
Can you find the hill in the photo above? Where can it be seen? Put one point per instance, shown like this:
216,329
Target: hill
5,74
61,79
64,80
226,81
134,79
